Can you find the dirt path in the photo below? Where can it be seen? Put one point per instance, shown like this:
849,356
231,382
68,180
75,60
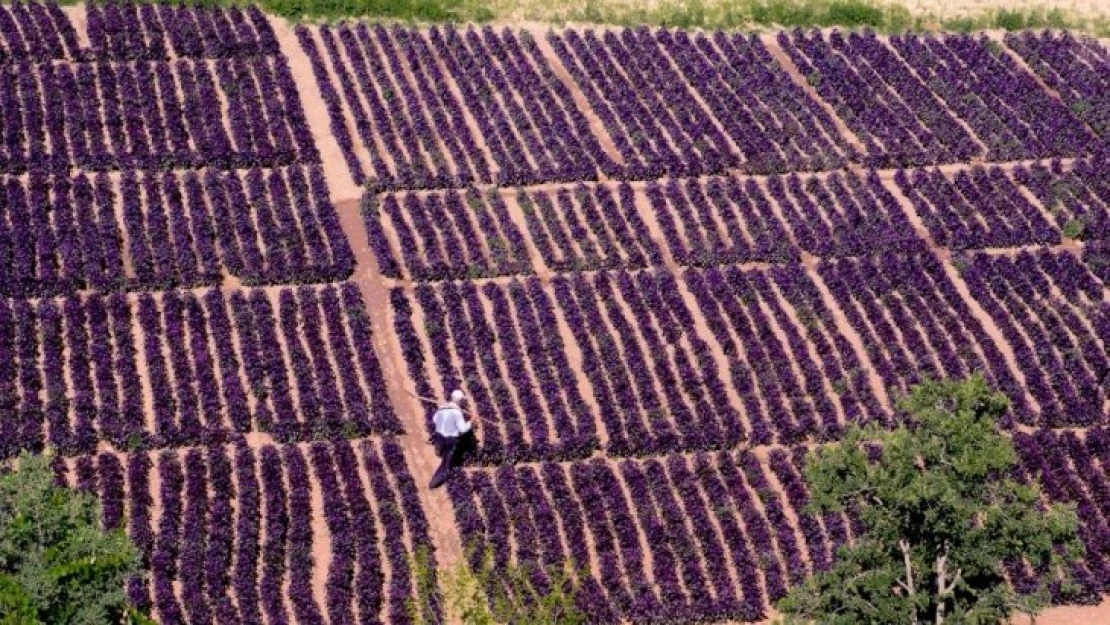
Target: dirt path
340,183
420,456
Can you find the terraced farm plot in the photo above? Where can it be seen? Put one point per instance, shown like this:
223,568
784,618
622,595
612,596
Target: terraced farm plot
663,265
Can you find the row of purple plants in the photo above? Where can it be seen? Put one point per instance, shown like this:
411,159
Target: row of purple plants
655,379
913,323
729,220
1051,310
723,541
36,31
122,30
59,234
542,137
679,105
420,132
1078,198
774,367
799,382
935,99
446,107
1077,67
300,368
232,538
1072,469
975,208
704,222
127,30
724,354
152,114
1009,111
445,235
513,364
589,228
1096,256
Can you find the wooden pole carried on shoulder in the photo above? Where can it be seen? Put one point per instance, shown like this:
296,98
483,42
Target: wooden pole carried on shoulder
429,400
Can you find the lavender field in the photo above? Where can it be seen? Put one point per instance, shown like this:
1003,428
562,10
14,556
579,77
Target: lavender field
663,266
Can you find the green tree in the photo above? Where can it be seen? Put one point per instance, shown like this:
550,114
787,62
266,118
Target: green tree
489,595
56,563
941,514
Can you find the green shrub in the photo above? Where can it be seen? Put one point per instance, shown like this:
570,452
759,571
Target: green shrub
57,566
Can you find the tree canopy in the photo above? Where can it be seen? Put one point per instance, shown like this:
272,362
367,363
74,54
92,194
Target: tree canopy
944,518
57,565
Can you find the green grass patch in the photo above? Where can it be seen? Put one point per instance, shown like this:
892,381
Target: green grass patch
884,17
414,11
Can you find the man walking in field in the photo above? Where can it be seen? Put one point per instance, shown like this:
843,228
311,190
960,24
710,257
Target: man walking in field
451,426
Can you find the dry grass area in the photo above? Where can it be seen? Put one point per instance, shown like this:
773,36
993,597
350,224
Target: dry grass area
889,15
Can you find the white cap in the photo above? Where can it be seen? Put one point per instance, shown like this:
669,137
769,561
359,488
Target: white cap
457,396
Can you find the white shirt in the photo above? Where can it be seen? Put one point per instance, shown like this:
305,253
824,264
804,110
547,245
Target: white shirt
449,420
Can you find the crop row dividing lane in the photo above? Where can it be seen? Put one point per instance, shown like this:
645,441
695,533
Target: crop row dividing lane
1000,39
340,183
783,59
945,256
346,197
539,35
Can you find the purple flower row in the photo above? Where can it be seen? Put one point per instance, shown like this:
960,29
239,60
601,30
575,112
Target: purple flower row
1077,67
414,120
591,229
1003,104
914,324
60,234
218,502
513,365
445,235
655,122
1096,256
719,534
104,116
900,122
656,390
689,214
656,383
205,387
776,125
673,103
36,31
127,30
1079,199
975,208
807,383
1050,309
394,109
863,216
541,138
726,534
1071,469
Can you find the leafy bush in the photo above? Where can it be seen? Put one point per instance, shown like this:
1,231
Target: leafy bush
57,565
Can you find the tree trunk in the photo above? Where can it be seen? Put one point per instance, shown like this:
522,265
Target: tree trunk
942,574
911,590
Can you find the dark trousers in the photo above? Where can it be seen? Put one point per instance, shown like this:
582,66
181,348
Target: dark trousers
452,451
446,446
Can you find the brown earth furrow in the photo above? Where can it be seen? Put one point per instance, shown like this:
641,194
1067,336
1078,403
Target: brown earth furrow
846,329
422,462
787,65
340,183
601,133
